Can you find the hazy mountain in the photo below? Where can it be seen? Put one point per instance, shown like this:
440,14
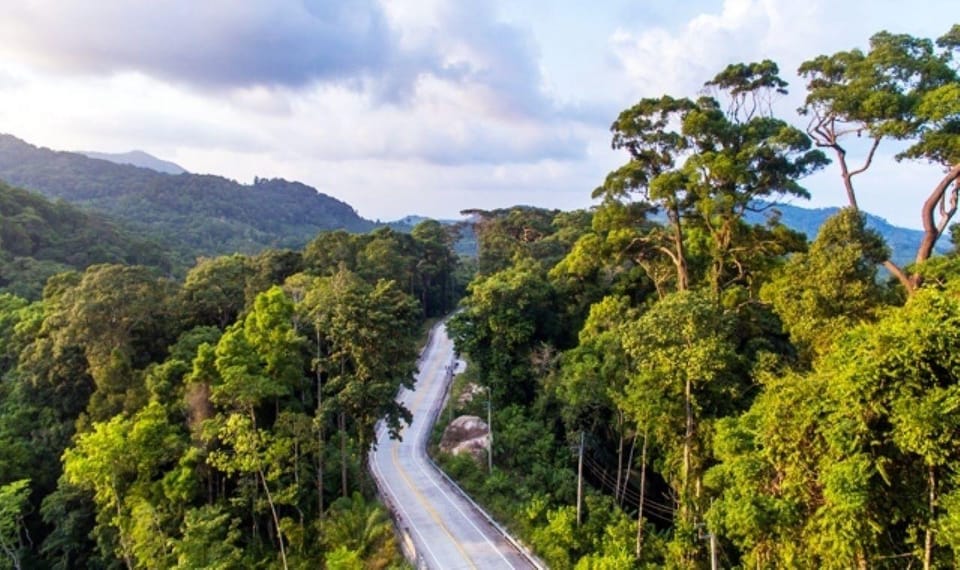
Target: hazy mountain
903,242
191,214
138,158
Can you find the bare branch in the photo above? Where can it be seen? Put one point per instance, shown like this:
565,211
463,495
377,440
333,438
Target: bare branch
866,164
932,230
895,270
946,213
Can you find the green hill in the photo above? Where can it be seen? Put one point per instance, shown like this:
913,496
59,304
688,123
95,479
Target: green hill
192,214
903,242
39,238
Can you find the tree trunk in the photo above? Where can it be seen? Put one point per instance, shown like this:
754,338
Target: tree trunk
932,506
318,417
946,204
616,488
847,177
629,469
580,480
342,425
681,257
643,494
687,451
120,534
276,518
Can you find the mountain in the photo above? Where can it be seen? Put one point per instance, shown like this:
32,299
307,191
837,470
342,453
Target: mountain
192,214
903,242
39,238
137,158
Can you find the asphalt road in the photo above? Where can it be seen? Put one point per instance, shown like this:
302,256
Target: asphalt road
448,533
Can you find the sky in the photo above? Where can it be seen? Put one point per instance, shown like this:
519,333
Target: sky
416,106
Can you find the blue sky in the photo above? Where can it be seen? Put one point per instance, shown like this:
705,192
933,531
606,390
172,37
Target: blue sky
414,106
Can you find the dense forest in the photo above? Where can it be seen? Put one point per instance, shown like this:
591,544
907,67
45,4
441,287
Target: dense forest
731,394
727,390
190,213
218,422
39,239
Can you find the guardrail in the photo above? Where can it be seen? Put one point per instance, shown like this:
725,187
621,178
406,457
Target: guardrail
408,545
435,412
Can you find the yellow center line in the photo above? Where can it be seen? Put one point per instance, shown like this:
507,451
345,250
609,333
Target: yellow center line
423,393
433,514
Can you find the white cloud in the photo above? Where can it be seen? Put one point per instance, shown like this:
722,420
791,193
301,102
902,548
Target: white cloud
428,105
679,60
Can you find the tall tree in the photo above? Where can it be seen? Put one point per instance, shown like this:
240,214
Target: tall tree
682,378
832,287
903,89
705,167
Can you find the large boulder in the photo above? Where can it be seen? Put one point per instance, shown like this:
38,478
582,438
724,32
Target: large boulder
467,434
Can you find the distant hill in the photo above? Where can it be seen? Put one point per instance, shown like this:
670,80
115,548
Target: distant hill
137,158
903,242
465,246
39,238
192,214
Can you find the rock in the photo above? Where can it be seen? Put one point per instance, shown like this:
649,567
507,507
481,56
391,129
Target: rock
466,434
470,391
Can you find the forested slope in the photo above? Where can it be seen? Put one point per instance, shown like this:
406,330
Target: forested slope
221,422
192,214
39,238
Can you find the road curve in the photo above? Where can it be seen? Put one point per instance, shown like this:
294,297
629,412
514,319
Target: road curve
447,531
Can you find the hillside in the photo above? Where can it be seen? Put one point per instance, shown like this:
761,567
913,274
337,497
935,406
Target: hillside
39,238
138,158
193,214
903,242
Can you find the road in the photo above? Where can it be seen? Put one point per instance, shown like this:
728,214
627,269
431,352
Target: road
447,531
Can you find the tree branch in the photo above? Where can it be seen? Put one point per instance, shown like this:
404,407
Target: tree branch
902,277
932,230
866,164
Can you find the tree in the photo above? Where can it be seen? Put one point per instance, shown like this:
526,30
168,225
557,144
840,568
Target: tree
507,314
903,89
213,291
119,461
257,360
848,464
704,168
435,267
361,528
822,293
681,377
13,502
209,540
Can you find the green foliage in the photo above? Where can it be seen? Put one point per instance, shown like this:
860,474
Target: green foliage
209,540
186,426
821,293
191,214
39,239
507,314
359,535
13,502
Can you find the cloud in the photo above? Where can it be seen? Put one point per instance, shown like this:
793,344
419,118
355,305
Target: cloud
661,60
213,43
374,46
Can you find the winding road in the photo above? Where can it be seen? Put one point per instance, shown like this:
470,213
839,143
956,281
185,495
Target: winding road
447,531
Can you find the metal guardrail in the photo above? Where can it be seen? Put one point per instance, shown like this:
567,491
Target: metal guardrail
435,412
408,545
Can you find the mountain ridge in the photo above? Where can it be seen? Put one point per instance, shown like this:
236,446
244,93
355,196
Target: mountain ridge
196,214
137,158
